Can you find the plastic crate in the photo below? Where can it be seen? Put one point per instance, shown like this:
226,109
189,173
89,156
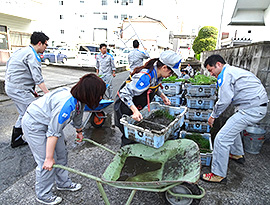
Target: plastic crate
205,157
196,126
175,100
200,90
201,103
172,88
153,138
198,115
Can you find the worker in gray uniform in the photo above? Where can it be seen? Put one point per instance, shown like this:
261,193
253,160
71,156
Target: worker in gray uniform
245,91
23,73
105,68
136,57
43,125
141,87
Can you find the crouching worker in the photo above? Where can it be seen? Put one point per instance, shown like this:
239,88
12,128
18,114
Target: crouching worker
246,92
141,87
43,125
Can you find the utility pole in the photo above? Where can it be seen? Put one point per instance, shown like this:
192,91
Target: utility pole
219,32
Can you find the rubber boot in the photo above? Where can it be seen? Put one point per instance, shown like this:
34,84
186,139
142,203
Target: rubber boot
16,138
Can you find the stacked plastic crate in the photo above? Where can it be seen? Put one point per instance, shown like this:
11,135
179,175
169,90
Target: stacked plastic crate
173,91
200,100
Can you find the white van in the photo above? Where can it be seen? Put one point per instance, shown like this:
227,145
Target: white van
87,55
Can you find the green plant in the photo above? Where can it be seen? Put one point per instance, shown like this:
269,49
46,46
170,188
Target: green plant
164,113
172,79
203,143
199,79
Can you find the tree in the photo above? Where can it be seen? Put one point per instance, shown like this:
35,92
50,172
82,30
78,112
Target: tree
206,39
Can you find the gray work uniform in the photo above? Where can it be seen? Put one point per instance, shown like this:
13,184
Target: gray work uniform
139,84
45,117
23,72
135,58
137,91
244,90
105,66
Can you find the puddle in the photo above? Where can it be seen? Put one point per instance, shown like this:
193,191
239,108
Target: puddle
138,169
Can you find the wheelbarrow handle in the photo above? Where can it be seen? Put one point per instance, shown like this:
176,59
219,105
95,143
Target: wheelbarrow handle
99,145
77,172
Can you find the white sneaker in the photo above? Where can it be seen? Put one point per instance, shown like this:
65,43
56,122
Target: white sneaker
72,187
50,200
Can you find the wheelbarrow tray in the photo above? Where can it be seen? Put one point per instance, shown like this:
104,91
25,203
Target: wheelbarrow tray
102,104
180,163
153,138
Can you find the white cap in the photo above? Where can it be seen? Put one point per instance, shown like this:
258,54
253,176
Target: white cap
171,59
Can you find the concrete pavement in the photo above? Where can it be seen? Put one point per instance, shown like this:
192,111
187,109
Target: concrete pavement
248,184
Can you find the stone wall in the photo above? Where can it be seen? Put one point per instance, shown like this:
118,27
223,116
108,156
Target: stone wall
254,57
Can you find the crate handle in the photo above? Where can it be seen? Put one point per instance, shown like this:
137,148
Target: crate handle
200,102
198,113
200,89
140,134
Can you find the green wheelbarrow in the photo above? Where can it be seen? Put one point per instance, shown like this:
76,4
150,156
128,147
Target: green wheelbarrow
173,169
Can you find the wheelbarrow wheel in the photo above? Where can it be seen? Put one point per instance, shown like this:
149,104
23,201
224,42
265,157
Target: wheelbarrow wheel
184,188
97,119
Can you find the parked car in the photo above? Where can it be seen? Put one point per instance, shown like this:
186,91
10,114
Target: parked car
53,55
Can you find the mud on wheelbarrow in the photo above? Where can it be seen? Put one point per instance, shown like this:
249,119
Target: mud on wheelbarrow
179,170
97,116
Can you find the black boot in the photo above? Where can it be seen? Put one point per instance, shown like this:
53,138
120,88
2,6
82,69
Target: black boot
16,138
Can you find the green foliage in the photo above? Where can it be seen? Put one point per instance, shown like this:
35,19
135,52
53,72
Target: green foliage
164,113
203,143
199,79
172,79
208,32
198,56
206,39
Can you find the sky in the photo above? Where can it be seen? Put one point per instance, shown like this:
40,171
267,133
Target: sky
193,13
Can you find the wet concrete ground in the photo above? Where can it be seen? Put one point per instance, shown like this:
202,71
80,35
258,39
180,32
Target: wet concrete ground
248,184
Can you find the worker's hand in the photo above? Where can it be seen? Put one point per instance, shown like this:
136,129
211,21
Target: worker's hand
79,137
211,121
113,74
137,116
48,164
165,99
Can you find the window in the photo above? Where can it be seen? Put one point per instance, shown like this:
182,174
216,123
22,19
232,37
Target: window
124,2
116,1
104,17
104,2
82,2
61,16
82,31
3,28
96,13
62,31
123,16
140,2
130,1
130,17
3,38
61,2
82,16
115,16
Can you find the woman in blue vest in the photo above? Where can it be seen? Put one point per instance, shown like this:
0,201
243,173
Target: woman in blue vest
43,125
141,87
